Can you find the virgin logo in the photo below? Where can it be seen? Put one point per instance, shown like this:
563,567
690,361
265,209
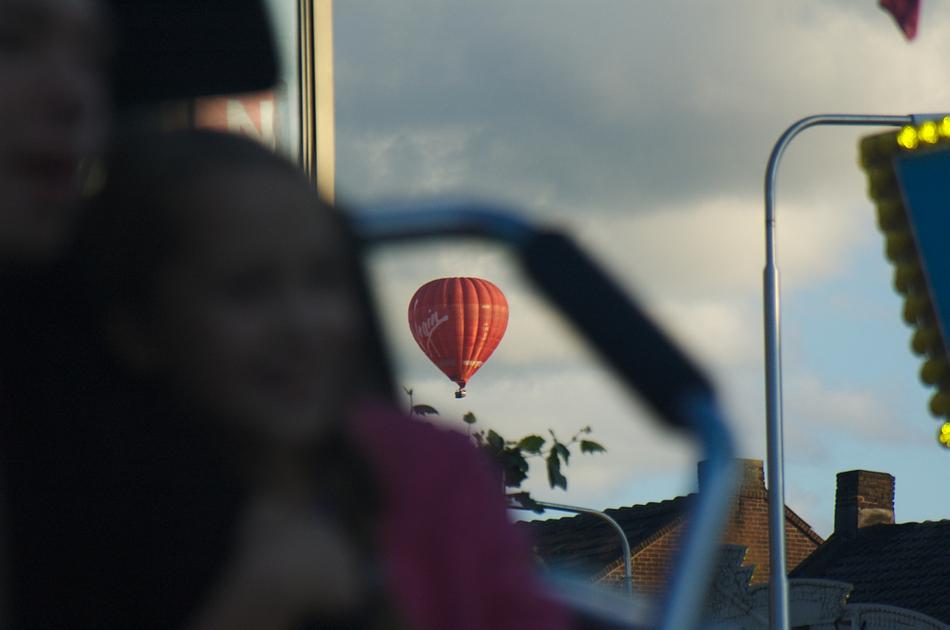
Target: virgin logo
427,328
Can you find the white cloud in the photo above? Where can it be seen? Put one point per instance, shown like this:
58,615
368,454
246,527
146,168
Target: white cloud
720,333
566,400
860,415
717,247
811,506
416,162
535,332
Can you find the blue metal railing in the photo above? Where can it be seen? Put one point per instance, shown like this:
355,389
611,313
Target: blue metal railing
623,334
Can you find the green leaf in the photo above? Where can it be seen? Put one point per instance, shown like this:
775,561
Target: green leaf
563,451
515,467
495,441
469,418
589,446
424,410
555,478
531,444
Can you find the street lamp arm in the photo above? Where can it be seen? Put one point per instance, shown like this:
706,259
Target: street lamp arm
622,535
778,580
862,120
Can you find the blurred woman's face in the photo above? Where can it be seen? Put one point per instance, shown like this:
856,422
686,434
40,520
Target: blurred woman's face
257,319
53,112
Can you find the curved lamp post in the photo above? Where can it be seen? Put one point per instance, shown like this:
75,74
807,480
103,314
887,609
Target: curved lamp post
778,580
622,535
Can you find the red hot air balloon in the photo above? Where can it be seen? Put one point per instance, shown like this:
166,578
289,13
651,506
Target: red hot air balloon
458,323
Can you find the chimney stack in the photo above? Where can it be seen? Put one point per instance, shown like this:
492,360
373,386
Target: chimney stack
751,477
863,498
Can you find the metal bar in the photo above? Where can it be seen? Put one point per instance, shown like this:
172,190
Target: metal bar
690,579
413,220
624,541
307,156
771,301
325,111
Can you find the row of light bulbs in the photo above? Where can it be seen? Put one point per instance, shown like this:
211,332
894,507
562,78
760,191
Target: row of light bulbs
928,132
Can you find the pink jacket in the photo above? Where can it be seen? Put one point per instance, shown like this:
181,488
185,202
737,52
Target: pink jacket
451,558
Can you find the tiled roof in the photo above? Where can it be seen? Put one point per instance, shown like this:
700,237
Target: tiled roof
906,565
585,545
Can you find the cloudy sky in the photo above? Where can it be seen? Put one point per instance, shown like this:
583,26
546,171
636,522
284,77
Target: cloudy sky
644,128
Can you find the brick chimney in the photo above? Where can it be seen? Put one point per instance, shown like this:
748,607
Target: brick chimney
863,498
751,478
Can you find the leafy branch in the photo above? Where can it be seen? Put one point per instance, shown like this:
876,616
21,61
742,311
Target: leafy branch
513,455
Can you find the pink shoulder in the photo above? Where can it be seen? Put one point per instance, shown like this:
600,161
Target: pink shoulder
395,441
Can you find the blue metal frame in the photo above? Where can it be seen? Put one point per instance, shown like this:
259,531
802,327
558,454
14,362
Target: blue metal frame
683,605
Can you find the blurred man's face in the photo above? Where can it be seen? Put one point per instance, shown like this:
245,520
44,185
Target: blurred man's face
53,109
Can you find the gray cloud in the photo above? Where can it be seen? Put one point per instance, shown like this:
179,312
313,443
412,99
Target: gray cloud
614,104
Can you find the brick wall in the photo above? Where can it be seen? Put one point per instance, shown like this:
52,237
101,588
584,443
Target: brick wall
651,565
748,526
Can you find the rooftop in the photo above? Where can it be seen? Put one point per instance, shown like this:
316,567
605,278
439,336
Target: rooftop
906,565
586,545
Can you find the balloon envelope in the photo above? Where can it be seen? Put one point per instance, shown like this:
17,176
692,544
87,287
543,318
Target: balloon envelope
458,323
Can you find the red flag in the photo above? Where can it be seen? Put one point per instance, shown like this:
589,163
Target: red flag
905,13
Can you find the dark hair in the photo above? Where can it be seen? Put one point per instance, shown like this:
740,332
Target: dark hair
132,225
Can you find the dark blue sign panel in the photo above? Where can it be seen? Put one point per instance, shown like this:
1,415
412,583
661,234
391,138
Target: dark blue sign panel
924,180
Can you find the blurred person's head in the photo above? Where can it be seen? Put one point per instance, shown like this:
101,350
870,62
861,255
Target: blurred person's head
222,275
53,102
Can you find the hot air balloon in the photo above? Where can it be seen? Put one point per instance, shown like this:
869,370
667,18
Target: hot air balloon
458,323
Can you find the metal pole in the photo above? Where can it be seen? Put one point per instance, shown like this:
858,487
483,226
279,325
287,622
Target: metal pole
324,101
624,543
778,580
317,154
307,154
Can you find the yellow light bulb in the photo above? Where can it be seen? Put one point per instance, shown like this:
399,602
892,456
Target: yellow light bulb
907,137
933,370
907,275
898,244
925,339
928,132
890,213
938,404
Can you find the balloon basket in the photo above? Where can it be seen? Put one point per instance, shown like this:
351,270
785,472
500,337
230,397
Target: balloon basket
460,393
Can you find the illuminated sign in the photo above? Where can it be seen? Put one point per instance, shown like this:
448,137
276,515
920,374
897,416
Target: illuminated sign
251,115
908,172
